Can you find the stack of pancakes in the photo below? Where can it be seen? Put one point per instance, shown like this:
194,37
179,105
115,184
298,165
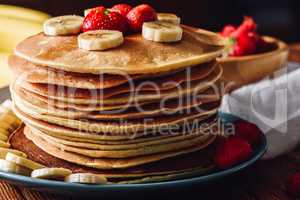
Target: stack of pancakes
144,111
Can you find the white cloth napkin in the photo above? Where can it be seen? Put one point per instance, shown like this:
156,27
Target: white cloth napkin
273,104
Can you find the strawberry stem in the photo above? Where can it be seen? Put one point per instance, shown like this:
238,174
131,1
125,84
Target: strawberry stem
106,12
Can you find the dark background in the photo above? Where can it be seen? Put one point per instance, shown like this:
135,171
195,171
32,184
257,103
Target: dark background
280,18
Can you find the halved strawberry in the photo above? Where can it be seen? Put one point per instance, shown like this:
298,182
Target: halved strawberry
248,131
232,151
140,14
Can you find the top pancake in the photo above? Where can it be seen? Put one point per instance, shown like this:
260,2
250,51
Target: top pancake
135,56
41,74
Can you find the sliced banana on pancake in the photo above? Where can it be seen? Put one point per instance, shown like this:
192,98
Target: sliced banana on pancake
51,173
100,39
168,17
162,32
86,178
4,144
23,161
63,25
7,166
4,151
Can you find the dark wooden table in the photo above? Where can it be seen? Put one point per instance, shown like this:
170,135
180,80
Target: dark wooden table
263,181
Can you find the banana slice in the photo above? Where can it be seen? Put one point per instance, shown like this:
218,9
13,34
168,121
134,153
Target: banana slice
100,39
8,117
161,32
23,161
11,167
63,25
87,11
51,173
168,17
8,120
4,151
4,144
4,131
3,137
6,126
86,178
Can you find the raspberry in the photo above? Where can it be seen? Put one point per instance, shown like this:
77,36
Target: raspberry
231,152
248,132
293,184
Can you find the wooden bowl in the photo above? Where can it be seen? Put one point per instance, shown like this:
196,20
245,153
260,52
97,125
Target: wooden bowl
239,71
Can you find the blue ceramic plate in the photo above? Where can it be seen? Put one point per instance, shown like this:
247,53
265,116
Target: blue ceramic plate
111,189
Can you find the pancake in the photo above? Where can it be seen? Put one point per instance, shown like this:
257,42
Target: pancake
155,85
44,75
201,160
135,56
143,112
129,126
208,95
80,107
62,132
40,74
124,153
100,138
151,110
194,87
130,144
110,163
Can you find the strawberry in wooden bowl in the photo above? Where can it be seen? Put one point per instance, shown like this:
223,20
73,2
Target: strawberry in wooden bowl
250,57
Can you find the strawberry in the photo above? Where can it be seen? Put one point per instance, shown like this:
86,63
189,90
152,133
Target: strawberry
231,152
248,132
227,30
247,26
237,51
293,184
246,43
140,14
123,9
102,18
